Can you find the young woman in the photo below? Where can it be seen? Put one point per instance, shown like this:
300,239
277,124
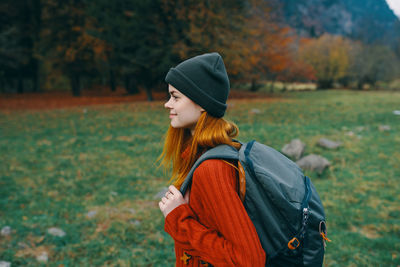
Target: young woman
209,224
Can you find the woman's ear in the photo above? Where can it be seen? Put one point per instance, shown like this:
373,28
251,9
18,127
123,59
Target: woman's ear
202,110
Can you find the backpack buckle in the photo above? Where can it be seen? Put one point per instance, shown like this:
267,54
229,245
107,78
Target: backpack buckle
294,243
185,258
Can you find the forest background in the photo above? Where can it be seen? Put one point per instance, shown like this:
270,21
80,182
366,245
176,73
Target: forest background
49,45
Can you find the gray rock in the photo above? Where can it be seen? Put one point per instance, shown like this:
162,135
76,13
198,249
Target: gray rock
161,193
313,162
112,211
326,143
56,232
6,230
22,245
135,222
360,128
131,211
396,112
384,128
255,111
5,264
43,257
294,149
91,214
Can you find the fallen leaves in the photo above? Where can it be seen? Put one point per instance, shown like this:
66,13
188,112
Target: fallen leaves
33,248
369,231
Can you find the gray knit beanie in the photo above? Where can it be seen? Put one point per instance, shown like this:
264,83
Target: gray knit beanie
204,80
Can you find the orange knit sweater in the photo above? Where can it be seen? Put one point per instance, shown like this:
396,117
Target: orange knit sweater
214,226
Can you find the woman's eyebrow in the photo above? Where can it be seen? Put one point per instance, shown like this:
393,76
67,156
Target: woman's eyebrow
172,92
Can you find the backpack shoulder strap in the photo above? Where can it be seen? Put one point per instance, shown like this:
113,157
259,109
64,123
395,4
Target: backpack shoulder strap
218,152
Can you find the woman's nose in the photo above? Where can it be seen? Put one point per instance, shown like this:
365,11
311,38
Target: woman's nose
168,104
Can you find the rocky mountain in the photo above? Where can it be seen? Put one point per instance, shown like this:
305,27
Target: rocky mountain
370,21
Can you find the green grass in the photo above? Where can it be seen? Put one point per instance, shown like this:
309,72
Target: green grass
56,166
277,86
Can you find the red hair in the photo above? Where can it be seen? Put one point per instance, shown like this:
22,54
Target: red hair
209,132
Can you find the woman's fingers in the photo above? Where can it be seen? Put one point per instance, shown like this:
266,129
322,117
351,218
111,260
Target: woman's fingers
173,190
172,199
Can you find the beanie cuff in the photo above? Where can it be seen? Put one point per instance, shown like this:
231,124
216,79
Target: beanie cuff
185,85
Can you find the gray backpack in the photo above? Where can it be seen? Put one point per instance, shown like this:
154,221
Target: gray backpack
282,203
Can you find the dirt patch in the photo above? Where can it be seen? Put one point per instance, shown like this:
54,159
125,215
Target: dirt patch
369,231
57,100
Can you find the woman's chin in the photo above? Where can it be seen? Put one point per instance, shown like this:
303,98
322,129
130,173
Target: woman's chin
175,125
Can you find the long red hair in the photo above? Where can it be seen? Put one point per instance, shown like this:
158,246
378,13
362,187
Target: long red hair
209,132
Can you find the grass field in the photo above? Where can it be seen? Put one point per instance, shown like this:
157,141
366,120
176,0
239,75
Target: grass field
91,172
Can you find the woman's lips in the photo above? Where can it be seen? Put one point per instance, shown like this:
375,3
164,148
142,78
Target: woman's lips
171,115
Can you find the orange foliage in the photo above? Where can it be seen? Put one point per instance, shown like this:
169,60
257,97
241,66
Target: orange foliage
85,46
328,55
297,70
251,44
72,39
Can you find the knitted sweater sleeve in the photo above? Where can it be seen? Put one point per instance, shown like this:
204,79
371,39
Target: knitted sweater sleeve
235,241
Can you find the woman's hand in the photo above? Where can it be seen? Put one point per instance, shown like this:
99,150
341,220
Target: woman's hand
172,199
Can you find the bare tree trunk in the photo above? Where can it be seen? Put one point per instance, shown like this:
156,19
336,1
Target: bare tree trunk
325,84
35,76
149,95
360,85
112,80
131,86
254,86
75,85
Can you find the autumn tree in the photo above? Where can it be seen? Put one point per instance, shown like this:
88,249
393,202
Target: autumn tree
329,57
297,70
147,53
266,45
373,63
138,40
205,26
113,25
19,33
67,42
11,53
252,45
